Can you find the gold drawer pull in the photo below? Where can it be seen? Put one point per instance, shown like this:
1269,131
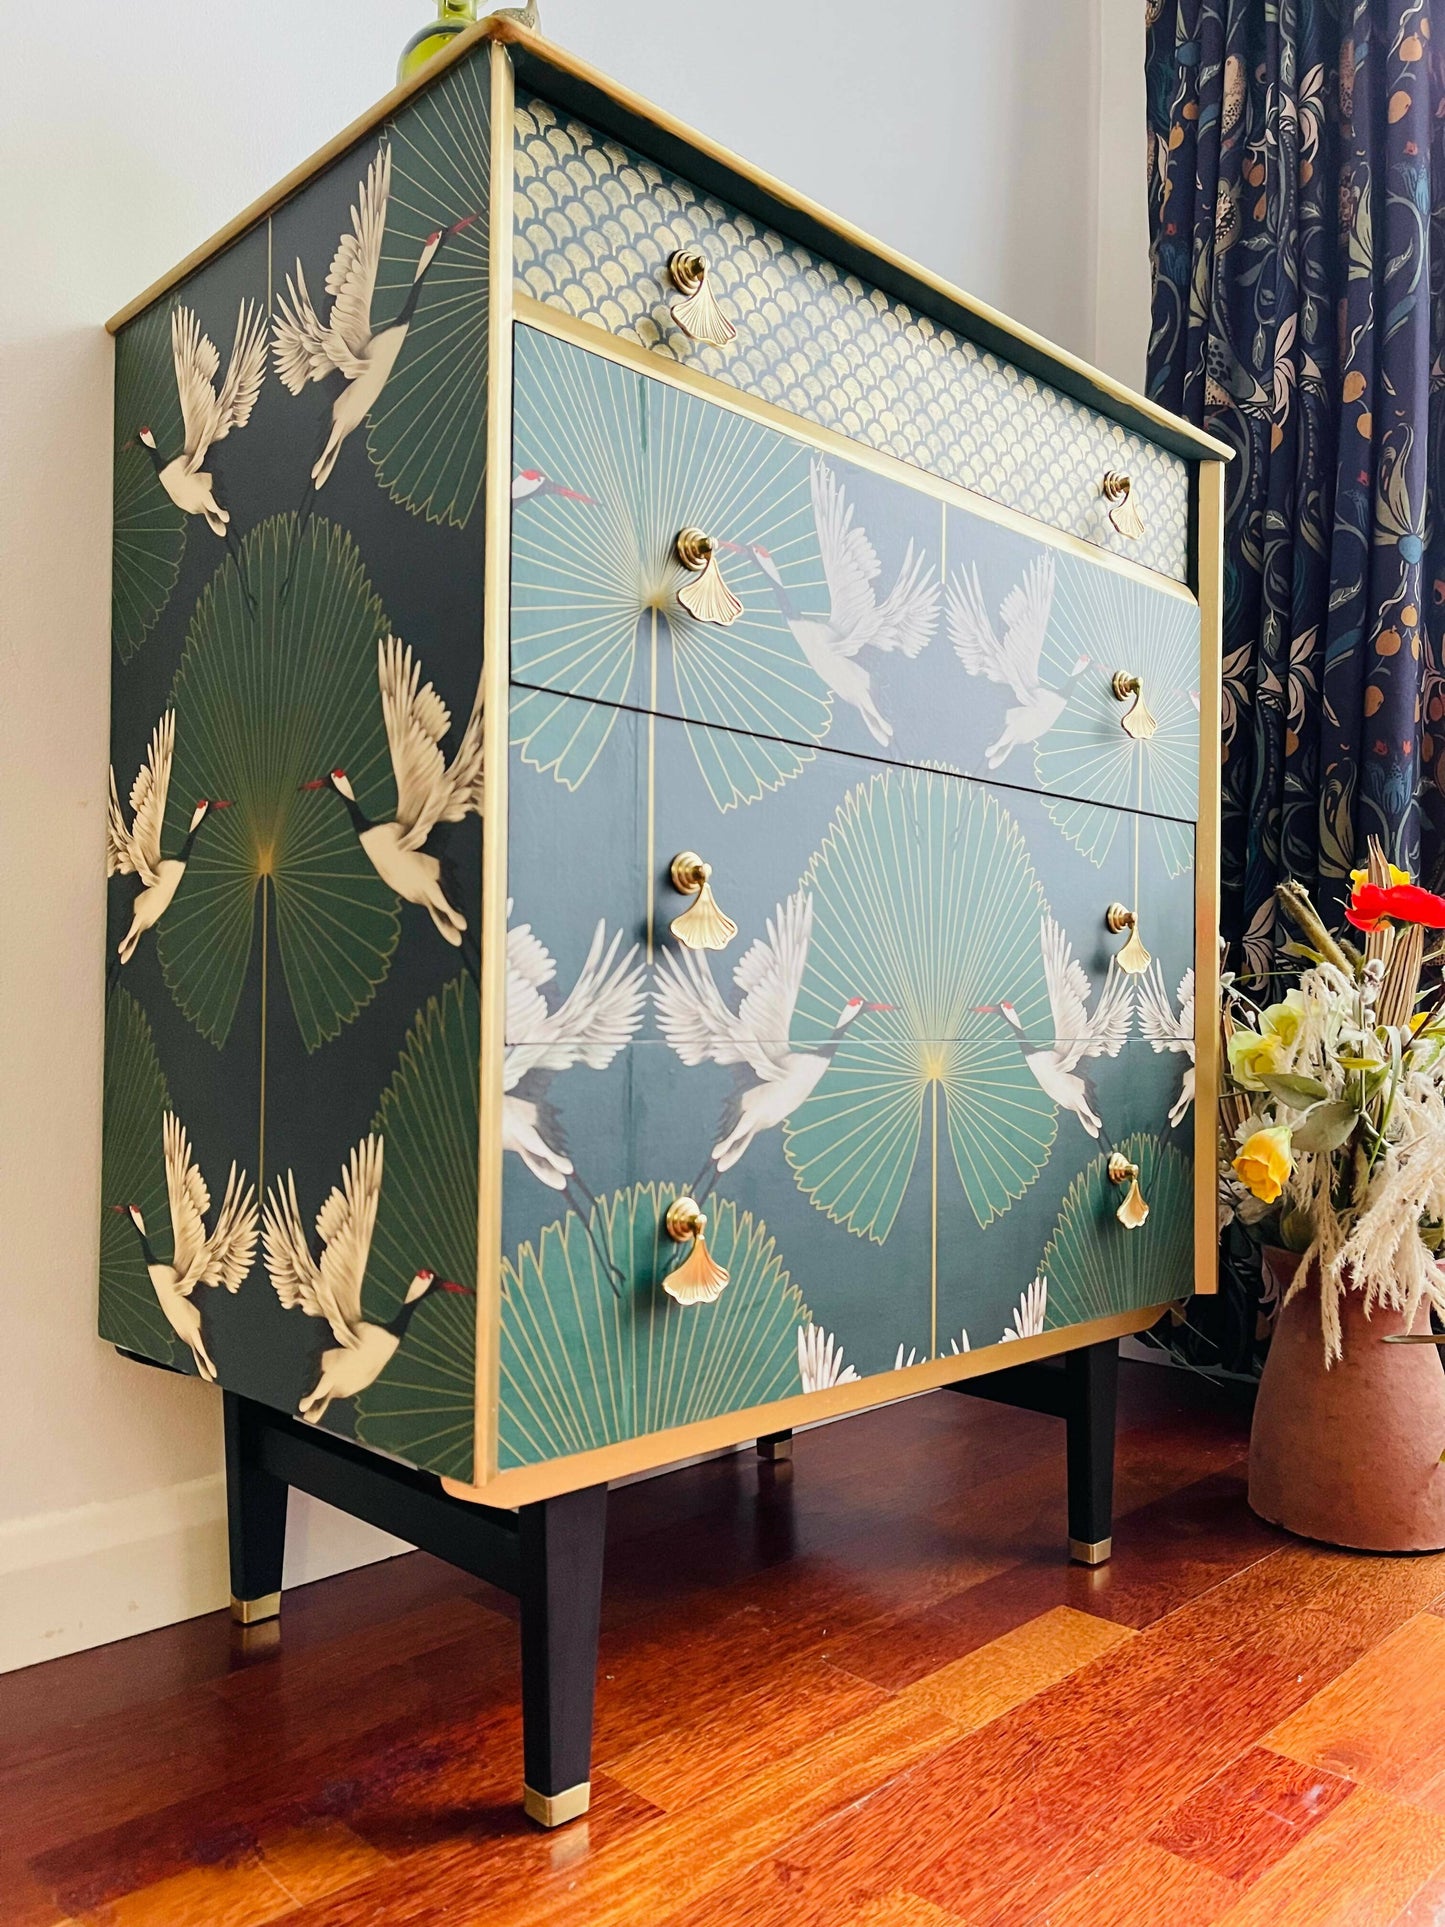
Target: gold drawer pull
709,598
1133,1211
703,925
699,1279
698,313
1138,719
1118,491
1133,958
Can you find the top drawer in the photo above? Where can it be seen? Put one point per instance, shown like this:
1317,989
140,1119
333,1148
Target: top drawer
595,227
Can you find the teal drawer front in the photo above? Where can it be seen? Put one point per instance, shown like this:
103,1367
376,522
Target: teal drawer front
594,228
874,617
868,1086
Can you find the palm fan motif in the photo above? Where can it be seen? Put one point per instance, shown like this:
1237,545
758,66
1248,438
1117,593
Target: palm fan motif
294,634
132,1172
583,1367
150,531
1087,754
422,1408
594,581
1095,1267
924,898
426,431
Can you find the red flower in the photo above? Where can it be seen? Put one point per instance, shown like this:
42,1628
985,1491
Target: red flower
1370,906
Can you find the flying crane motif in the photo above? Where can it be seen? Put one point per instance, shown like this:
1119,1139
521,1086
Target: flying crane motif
330,1286
351,342
903,621
1077,1035
1168,1029
1013,657
221,1256
134,848
207,417
429,790
773,1076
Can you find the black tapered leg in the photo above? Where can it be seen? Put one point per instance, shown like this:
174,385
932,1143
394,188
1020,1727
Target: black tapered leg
561,1597
775,1446
1091,1401
255,1516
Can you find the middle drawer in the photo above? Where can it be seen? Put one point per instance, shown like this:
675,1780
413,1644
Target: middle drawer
841,604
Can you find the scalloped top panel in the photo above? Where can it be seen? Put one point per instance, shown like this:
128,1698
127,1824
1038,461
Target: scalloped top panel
595,225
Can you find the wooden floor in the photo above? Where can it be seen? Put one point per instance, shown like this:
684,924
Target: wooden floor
865,1691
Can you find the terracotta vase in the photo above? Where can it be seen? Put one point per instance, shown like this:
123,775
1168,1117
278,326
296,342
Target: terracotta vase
1350,1455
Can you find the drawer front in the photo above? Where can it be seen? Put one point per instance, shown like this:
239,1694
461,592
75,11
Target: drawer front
595,226
884,1150
870,615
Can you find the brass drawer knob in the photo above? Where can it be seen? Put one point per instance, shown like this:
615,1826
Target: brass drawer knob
1138,719
698,313
1118,491
1133,1211
709,599
699,1279
1133,958
703,925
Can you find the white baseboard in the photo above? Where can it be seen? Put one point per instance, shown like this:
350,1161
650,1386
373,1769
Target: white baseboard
69,1580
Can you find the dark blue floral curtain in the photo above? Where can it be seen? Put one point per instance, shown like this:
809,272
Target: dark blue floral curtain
1297,209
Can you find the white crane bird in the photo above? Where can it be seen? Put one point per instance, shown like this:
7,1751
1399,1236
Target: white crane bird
134,848
1077,1035
220,1257
429,790
350,342
206,416
1169,1029
773,1077
903,621
1013,658
600,1014
330,1287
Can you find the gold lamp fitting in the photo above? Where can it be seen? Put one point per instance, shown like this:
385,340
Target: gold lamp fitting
699,1279
1138,719
698,313
709,598
1133,1211
1133,958
1117,490
703,925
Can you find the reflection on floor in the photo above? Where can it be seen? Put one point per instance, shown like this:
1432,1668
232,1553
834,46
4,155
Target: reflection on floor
861,1691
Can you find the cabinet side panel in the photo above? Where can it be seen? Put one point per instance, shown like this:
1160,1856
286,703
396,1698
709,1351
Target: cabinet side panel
295,850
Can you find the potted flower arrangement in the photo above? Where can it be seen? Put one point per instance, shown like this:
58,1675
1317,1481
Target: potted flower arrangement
1333,1129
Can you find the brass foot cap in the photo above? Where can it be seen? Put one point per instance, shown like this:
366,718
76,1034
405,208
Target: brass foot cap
1091,1552
250,1612
775,1449
556,1809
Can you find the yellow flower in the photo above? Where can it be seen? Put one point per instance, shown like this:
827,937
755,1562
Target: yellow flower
1253,1058
1397,875
1264,1161
1282,1021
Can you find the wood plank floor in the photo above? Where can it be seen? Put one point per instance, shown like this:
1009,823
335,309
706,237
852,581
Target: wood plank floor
865,1690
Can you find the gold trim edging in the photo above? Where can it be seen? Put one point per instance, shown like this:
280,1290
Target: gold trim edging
531,313
654,1450
252,1612
1091,1552
1209,547
496,684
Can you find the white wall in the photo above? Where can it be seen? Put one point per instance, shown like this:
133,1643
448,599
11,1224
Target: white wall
967,134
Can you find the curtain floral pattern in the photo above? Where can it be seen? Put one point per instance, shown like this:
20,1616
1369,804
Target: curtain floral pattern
1299,314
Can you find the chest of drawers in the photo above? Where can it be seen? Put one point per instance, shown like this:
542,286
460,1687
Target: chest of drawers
670,887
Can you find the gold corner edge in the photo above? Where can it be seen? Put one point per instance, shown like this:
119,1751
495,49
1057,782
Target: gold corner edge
1210,551
562,325
496,648
655,1451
